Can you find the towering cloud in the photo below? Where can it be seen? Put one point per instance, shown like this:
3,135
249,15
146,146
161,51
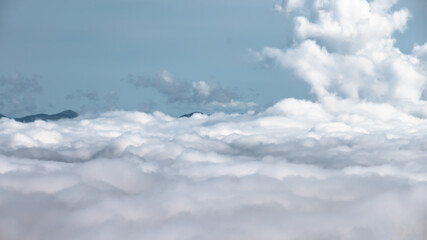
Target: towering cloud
348,51
349,166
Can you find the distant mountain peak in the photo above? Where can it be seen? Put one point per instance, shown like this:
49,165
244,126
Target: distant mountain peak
68,114
189,115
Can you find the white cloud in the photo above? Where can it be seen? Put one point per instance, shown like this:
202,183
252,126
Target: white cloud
278,7
346,169
348,51
294,4
290,5
420,52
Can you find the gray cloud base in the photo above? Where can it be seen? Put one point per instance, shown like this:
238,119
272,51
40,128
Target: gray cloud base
299,170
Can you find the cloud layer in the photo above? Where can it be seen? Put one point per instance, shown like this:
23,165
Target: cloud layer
296,171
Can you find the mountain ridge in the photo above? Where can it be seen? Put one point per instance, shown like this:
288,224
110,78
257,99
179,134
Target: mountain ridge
189,115
67,114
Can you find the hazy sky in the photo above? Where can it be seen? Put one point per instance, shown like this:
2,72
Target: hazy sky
98,55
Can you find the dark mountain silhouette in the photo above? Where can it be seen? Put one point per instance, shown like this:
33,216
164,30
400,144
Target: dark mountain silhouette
45,117
189,115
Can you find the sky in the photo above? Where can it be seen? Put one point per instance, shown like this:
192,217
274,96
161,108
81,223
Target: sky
319,134
80,55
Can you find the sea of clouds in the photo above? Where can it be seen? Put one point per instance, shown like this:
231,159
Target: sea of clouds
350,165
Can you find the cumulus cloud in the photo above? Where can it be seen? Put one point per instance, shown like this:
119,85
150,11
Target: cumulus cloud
18,94
420,52
200,93
348,51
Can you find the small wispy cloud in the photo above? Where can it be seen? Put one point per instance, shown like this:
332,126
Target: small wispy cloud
89,95
288,5
18,94
93,101
199,93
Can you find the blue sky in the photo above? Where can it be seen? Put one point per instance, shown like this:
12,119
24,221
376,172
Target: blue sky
80,54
